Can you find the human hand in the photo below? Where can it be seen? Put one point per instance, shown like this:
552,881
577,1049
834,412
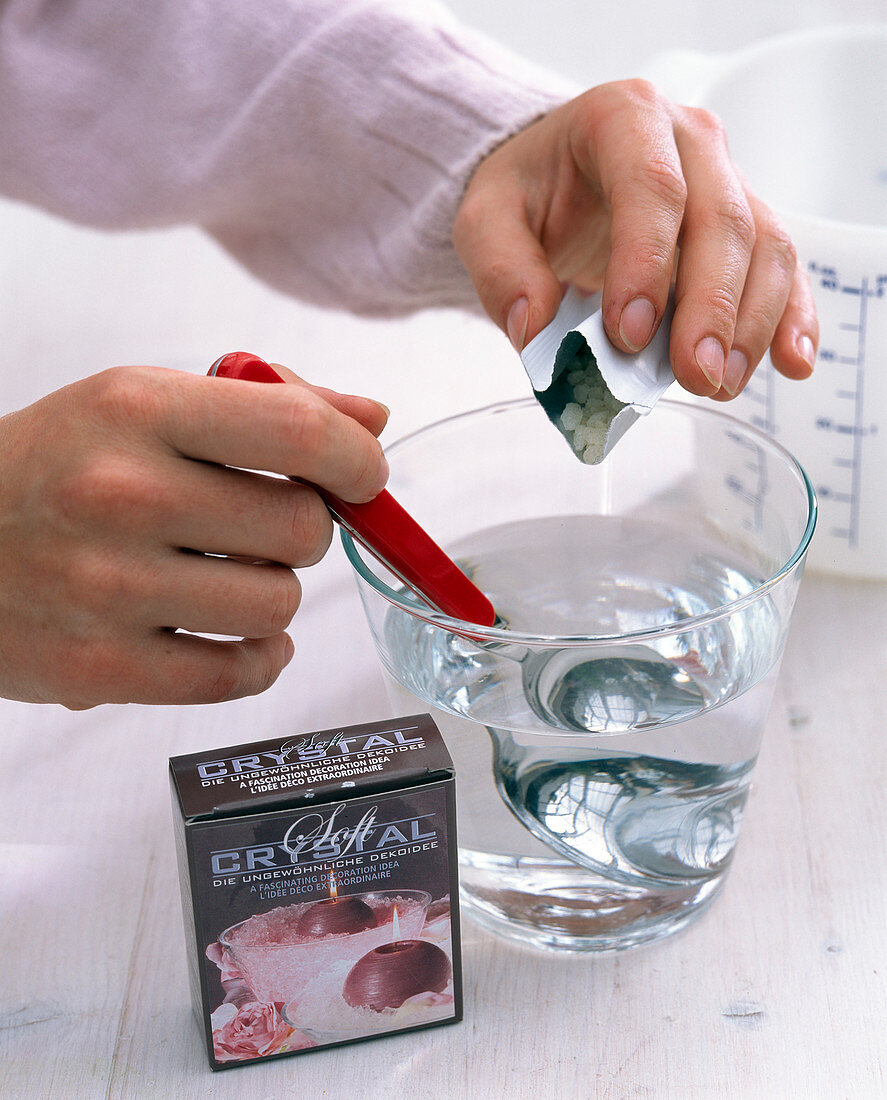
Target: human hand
115,490
623,191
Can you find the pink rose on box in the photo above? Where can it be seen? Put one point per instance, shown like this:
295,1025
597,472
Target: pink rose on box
233,982
253,1030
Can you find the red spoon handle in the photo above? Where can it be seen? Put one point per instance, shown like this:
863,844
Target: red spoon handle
388,532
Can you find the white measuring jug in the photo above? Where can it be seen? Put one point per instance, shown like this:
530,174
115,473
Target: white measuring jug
806,120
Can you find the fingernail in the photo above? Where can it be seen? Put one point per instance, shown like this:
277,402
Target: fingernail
384,408
516,325
384,471
637,322
806,349
710,360
288,650
734,372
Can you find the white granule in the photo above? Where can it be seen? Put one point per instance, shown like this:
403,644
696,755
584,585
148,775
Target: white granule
588,414
571,417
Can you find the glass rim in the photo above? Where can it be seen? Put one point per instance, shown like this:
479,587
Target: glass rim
410,604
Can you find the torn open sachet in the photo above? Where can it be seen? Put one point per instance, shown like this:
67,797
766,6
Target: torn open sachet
591,391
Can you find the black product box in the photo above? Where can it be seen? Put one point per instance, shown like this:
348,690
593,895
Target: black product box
319,888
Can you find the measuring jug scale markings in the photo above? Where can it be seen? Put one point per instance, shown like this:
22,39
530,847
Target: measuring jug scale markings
841,425
805,115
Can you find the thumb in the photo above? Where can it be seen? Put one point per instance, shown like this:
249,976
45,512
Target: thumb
509,268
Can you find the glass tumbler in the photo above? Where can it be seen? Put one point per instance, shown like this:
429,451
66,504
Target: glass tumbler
605,730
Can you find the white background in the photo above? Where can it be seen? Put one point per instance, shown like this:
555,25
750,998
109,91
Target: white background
779,991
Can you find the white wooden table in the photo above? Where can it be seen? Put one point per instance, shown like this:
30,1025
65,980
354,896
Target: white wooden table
779,991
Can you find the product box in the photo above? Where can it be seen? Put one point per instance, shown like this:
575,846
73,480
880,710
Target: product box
319,888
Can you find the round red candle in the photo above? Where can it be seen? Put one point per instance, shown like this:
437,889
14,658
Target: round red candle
389,975
335,916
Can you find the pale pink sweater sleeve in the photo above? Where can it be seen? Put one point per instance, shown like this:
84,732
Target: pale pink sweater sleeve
324,143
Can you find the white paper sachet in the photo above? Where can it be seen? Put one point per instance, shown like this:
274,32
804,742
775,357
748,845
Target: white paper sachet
592,392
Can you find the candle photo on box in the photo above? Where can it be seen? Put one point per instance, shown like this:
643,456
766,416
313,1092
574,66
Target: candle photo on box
389,975
305,863
280,960
335,915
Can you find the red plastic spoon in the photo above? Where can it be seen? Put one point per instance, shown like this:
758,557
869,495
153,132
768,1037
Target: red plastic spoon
383,527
